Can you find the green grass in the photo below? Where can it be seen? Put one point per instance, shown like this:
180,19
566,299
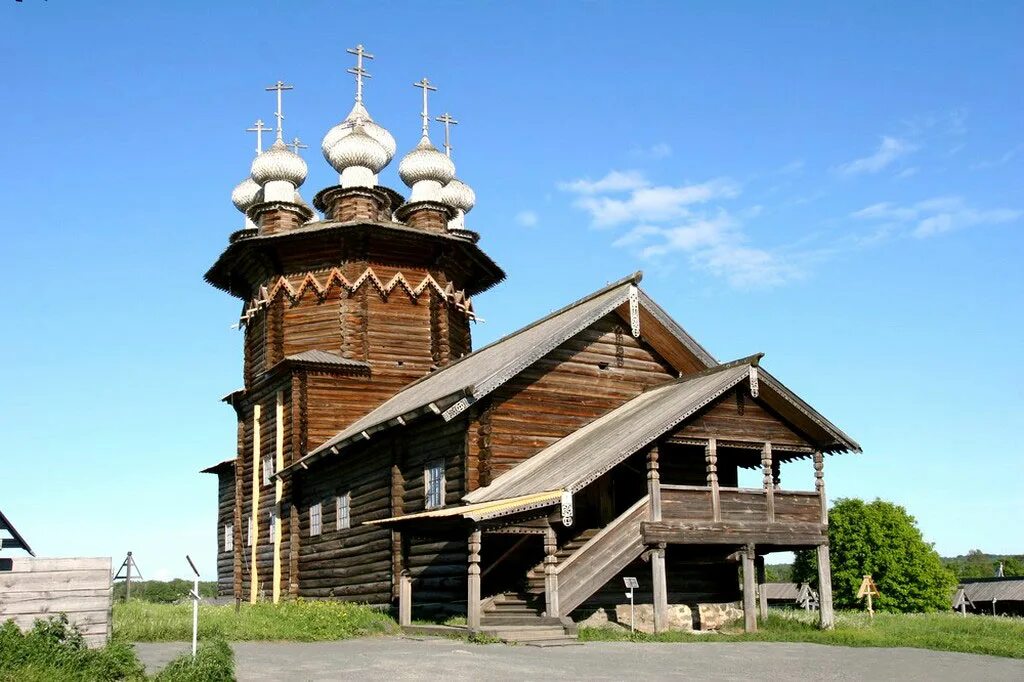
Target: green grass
939,631
299,621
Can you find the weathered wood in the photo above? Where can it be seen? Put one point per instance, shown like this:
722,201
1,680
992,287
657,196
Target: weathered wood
826,617
749,612
769,484
659,588
653,483
762,590
711,456
405,599
819,485
734,533
473,582
550,572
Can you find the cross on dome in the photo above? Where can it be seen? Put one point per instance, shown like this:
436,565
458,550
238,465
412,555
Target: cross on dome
425,84
448,121
280,87
259,129
359,72
296,145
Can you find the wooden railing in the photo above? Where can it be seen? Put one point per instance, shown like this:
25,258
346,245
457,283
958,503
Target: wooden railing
695,503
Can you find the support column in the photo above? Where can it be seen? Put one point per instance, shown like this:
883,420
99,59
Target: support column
819,485
827,620
551,606
769,481
405,598
762,592
711,459
254,518
654,483
473,582
278,493
749,607
658,580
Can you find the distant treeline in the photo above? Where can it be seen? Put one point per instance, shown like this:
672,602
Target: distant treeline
974,564
163,591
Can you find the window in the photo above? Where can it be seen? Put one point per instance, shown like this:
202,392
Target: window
315,518
248,531
229,538
273,525
433,482
268,469
341,508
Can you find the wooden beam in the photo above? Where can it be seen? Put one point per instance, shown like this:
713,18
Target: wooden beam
473,581
659,581
736,533
819,485
769,482
278,492
405,598
551,605
255,511
711,458
827,620
653,483
749,614
762,589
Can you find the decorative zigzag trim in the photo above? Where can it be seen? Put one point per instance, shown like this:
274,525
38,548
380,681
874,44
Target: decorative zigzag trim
334,278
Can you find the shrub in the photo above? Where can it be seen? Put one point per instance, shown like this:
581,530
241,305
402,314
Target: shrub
55,650
214,662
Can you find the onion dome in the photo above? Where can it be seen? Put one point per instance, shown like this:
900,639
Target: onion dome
279,164
244,194
375,131
357,148
458,195
426,164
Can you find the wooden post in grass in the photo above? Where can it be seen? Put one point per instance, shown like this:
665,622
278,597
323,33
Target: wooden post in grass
868,589
826,618
749,606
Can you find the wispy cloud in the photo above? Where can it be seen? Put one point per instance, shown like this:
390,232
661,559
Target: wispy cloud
932,216
1004,159
636,200
908,173
527,218
889,150
660,150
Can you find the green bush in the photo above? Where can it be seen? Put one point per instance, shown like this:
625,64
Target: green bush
55,650
214,662
163,591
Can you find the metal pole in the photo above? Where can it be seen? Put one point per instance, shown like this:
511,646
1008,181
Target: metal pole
632,620
128,578
195,606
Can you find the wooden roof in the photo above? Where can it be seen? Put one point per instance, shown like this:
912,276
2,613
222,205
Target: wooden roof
453,388
994,589
15,541
481,511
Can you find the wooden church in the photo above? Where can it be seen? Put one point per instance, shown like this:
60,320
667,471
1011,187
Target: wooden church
383,460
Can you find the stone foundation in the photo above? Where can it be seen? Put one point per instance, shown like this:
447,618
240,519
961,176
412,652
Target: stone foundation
680,616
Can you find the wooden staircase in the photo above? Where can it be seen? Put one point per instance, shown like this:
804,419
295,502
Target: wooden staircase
516,618
535,578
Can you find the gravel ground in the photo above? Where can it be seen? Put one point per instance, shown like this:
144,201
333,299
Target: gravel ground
400,658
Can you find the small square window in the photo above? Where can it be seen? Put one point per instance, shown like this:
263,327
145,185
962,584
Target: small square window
315,519
342,510
248,531
268,469
434,484
229,538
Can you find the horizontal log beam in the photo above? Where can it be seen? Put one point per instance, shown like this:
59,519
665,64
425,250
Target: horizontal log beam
734,533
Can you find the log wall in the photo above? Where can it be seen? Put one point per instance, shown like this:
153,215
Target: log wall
738,416
225,518
40,588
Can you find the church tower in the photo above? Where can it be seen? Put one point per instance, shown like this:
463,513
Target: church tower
339,312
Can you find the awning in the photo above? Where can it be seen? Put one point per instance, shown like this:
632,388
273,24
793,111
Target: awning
481,511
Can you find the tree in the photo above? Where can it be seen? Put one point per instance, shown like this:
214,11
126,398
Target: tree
882,539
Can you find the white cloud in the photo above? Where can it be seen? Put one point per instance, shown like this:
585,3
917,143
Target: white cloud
527,218
907,173
644,203
934,216
889,150
660,150
615,181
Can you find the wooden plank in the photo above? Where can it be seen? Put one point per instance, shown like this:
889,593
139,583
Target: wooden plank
749,614
734,533
826,617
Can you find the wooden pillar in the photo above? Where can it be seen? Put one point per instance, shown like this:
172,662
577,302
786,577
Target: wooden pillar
762,588
255,511
711,459
827,620
473,583
819,485
551,607
278,493
769,483
405,598
659,581
654,483
749,607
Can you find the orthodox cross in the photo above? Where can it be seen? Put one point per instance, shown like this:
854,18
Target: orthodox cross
259,129
359,72
296,145
448,121
280,87
425,84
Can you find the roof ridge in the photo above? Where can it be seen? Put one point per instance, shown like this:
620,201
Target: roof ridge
751,360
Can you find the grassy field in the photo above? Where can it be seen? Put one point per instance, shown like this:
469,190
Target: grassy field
299,621
940,631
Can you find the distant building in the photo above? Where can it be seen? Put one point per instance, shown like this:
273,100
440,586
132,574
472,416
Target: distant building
997,596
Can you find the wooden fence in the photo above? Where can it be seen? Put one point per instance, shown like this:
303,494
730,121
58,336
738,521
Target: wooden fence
39,588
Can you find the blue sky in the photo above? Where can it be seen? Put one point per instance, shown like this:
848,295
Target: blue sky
839,187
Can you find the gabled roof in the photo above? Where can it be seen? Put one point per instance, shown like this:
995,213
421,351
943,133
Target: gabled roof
15,541
455,387
224,466
573,462
997,589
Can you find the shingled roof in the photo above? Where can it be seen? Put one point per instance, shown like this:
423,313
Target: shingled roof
453,388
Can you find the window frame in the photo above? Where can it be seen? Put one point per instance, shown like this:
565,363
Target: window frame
317,529
346,497
269,464
438,466
248,531
229,537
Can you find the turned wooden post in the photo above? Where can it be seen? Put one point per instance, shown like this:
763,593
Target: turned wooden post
762,588
769,483
749,607
819,485
473,582
405,598
550,574
711,459
827,620
659,581
654,483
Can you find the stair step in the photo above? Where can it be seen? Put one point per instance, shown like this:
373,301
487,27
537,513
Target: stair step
525,633
533,620
565,640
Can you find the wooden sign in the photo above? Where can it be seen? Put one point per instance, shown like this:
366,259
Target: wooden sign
869,590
